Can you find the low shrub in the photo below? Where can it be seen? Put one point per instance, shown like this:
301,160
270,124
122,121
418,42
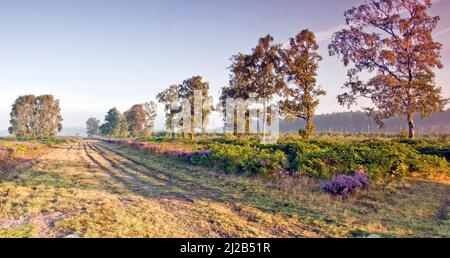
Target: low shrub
346,185
201,157
246,159
378,158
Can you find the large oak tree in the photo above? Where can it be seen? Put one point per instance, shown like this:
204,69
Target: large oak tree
257,75
391,40
300,64
141,119
136,118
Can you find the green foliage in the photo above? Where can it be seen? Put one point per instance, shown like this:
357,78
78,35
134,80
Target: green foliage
169,98
92,127
377,158
300,64
35,116
135,118
115,124
246,159
322,157
438,146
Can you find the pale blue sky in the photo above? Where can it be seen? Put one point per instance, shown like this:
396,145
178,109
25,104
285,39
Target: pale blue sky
96,54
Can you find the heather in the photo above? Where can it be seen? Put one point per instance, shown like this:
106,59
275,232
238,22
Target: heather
345,185
321,157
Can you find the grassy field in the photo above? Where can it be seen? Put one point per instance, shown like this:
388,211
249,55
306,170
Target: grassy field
100,189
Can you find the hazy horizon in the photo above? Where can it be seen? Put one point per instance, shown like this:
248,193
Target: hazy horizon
95,55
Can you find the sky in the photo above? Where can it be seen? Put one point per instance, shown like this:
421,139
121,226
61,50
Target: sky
97,54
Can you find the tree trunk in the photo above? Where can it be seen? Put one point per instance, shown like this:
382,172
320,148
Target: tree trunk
264,118
309,128
411,126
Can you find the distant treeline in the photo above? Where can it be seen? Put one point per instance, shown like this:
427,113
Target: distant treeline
359,122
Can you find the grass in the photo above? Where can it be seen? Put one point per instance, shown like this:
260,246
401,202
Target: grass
96,189
19,232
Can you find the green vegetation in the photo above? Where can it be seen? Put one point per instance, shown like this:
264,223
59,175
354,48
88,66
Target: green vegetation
321,157
253,161
99,189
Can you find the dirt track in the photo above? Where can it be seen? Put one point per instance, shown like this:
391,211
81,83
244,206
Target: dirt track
152,196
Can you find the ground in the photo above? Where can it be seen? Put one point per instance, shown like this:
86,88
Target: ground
96,189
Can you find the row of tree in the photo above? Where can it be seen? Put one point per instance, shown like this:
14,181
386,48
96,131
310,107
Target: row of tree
138,121
388,40
271,70
172,98
268,71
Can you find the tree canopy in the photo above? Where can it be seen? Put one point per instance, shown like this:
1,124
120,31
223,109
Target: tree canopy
93,127
392,41
35,116
300,64
115,124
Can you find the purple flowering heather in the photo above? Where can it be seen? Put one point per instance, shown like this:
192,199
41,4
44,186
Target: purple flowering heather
345,185
154,148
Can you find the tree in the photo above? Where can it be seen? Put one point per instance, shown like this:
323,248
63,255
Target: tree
187,90
35,117
169,98
238,88
391,40
92,127
22,116
228,92
300,64
257,75
135,118
151,111
263,76
115,124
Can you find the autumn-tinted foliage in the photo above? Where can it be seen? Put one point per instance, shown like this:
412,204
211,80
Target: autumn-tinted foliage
392,41
300,64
